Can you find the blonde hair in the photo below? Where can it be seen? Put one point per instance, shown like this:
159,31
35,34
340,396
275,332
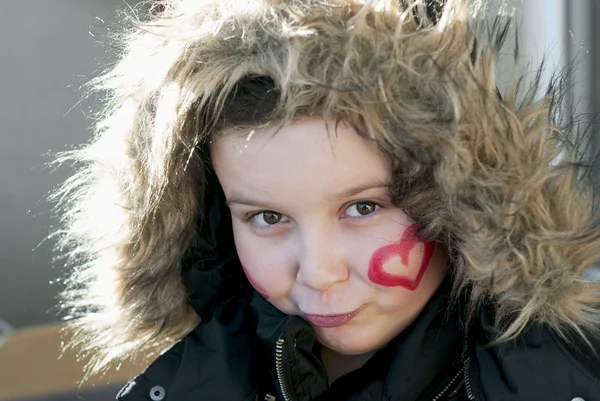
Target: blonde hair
477,171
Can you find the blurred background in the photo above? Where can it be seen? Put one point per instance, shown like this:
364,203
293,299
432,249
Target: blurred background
49,49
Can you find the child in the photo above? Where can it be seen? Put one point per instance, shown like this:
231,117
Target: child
330,200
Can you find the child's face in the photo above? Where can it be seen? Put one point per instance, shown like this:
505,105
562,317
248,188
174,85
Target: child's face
317,235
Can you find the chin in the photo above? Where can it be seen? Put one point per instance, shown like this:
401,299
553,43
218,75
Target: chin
348,342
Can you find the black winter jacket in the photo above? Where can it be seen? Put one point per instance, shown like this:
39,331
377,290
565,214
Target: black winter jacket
249,351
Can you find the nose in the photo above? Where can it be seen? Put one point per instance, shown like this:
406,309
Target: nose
322,261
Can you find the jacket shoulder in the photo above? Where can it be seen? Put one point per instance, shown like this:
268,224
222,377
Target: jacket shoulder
213,362
157,378
539,364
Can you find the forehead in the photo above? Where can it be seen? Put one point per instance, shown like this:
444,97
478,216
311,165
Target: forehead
309,155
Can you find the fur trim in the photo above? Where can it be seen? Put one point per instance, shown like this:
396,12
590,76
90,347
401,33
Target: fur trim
480,173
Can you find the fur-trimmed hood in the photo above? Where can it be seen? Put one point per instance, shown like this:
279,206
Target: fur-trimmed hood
491,177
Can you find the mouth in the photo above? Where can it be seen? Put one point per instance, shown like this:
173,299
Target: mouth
331,320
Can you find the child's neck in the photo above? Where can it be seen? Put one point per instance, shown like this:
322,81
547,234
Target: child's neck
338,365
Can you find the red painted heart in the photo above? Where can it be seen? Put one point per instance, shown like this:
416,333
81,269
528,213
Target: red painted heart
403,248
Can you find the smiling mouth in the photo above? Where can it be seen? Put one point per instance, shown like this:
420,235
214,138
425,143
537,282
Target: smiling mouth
331,320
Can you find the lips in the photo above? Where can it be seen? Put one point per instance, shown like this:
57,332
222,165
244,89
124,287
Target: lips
331,320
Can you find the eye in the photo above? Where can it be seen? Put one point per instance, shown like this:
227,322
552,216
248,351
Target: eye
361,209
271,217
266,218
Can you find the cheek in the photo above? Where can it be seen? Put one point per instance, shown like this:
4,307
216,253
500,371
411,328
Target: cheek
402,264
270,279
263,268
267,271
256,283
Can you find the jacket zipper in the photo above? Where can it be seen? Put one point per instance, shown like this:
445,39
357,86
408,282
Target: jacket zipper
283,374
449,385
466,369
282,370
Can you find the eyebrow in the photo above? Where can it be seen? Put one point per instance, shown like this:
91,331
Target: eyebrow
241,199
357,189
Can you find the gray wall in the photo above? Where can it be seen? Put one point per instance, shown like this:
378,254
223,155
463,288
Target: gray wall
46,53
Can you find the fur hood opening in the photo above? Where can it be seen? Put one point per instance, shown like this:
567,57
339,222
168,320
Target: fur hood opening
495,179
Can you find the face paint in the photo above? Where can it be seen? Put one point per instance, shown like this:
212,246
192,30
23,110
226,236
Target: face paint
259,288
403,248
